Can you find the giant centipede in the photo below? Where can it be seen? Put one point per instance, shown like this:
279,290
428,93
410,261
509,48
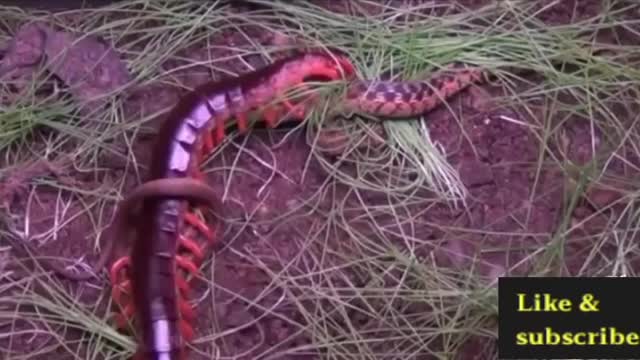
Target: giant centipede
192,129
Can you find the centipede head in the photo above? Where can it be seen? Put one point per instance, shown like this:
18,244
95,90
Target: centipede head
340,59
322,65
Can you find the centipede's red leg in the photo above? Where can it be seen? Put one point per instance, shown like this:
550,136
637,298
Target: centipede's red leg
243,123
183,287
193,220
186,331
121,285
186,310
298,110
118,289
195,171
122,319
270,115
198,174
201,154
273,113
187,265
192,247
212,138
114,275
207,146
219,137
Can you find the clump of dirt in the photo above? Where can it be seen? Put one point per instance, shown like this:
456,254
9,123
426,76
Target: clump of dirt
87,65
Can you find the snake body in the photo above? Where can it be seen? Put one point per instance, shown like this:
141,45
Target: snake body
402,99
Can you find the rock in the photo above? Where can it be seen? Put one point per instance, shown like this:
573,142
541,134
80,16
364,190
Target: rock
88,65
475,173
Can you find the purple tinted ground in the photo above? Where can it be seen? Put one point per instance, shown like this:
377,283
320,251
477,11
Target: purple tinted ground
494,158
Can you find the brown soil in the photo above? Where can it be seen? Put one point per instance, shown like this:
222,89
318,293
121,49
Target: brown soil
493,155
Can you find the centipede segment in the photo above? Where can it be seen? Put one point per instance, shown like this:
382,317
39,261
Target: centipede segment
171,240
189,257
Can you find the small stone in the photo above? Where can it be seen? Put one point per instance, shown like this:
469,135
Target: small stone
475,173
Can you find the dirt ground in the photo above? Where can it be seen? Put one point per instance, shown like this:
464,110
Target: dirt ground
493,157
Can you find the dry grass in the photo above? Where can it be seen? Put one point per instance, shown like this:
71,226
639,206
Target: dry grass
380,271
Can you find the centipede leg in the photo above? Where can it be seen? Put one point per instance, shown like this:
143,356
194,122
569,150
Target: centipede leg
122,319
207,146
120,288
219,131
298,110
187,313
270,115
192,247
186,310
193,220
187,331
212,138
183,287
196,172
201,154
273,113
243,123
187,265
126,313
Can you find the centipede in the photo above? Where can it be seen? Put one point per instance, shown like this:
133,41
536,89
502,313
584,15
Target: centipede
159,220
161,253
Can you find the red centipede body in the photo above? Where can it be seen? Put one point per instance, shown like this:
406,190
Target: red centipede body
194,126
